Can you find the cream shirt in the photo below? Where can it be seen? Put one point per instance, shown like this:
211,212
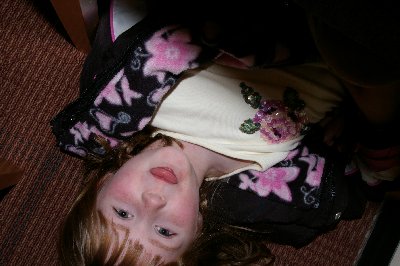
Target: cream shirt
208,108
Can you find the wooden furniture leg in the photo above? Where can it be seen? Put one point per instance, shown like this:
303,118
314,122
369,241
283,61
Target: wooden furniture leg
79,18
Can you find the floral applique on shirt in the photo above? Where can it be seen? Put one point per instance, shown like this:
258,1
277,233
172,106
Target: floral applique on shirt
278,121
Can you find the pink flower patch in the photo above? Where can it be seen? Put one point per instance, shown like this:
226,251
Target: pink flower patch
170,51
273,180
110,92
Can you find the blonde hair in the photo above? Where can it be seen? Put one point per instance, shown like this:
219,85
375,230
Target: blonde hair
88,238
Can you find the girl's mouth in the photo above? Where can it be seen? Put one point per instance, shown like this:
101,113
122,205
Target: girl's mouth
164,173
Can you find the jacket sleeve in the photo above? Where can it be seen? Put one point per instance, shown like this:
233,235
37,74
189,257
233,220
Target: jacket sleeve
123,83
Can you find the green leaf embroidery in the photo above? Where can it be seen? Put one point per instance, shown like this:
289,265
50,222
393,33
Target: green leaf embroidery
249,127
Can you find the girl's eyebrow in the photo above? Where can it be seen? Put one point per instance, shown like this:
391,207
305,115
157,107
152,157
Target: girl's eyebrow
161,245
122,196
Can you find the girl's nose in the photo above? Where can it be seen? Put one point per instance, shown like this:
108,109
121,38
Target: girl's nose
153,200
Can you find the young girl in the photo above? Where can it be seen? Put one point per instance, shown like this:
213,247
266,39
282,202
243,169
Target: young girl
242,129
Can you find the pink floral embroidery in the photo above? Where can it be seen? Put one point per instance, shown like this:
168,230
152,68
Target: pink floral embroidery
278,121
170,51
273,180
110,93
275,124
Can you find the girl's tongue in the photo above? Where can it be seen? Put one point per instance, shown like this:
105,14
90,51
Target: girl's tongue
164,173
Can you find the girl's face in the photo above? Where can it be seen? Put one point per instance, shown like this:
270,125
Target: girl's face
156,196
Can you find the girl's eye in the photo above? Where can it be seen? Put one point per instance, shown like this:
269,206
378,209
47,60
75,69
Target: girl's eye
164,232
122,213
